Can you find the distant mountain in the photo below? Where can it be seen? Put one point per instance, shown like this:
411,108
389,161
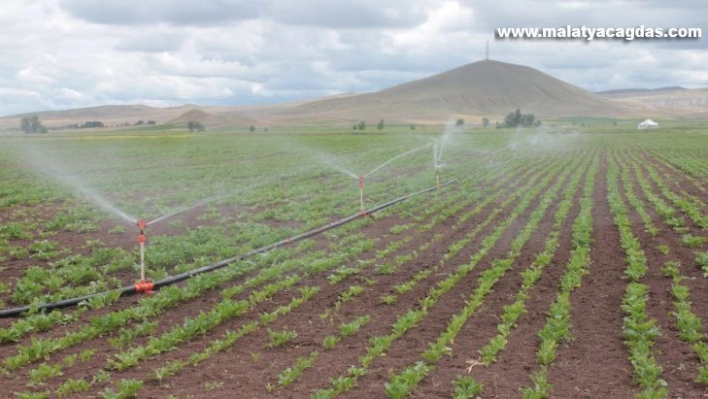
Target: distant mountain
621,92
675,101
483,88
480,89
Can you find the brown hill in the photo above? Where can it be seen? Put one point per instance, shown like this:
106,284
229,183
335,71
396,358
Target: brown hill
675,101
484,88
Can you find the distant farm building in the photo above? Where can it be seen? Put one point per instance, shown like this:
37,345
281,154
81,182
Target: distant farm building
648,124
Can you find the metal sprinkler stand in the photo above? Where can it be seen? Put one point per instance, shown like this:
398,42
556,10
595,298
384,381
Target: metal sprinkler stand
142,286
362,210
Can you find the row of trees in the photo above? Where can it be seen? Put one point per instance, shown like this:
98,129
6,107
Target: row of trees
513,119
31,124
517,119
362,125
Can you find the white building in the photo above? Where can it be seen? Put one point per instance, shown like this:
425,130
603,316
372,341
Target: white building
648,124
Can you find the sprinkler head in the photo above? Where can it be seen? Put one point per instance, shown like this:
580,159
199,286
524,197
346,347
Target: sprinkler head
141,224
361,181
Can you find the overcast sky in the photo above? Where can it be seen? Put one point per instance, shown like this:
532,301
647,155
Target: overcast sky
59,54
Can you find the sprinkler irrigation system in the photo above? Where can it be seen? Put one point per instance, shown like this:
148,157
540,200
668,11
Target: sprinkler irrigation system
362,178
146,286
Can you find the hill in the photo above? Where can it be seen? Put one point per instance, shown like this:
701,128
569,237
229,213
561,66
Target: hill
483,88
480,89
635,91
675,101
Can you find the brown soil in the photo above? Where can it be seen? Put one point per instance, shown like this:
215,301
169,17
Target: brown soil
594,364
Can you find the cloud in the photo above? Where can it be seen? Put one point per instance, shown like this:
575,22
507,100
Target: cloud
178,12
344,14
85,52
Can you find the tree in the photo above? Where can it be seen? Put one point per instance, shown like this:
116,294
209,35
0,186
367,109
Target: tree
32,124
412,127
362,125
516,119
460,122
252,128
195,126
151,122
140,122
380,126
485,122
527,120
90,124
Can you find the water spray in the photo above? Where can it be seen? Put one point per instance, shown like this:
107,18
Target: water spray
362,178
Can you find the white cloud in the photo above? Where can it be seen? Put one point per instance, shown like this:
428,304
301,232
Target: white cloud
67,53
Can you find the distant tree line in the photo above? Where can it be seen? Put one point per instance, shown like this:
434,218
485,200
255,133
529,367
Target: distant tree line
362,125
91,124
359,126
31,124
517,119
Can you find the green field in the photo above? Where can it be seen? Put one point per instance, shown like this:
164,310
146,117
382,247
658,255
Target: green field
499,284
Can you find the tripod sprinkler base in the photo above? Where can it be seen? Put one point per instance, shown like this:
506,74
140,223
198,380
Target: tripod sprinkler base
144,287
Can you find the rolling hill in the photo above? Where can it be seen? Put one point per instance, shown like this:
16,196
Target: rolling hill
676,101
480,89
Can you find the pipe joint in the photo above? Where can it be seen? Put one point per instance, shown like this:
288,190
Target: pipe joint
144,287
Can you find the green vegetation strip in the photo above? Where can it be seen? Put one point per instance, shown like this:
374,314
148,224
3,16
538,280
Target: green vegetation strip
558,323
380,344
639,330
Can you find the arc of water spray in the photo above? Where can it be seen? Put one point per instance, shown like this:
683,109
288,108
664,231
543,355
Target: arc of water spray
207,201
189,208
395,158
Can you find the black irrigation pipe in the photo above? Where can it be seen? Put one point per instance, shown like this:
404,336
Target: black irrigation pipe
149,286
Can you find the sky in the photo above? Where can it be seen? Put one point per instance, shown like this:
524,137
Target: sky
63,54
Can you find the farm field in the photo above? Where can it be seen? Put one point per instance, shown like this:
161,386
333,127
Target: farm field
547,264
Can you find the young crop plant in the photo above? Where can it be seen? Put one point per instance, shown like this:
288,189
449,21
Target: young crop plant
466,387
352,292
73,386
637,203
330,341
44,372
402,384
351,328
691,241
663,248
389,299
291,374
127,388
32,395
702,262
280,338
